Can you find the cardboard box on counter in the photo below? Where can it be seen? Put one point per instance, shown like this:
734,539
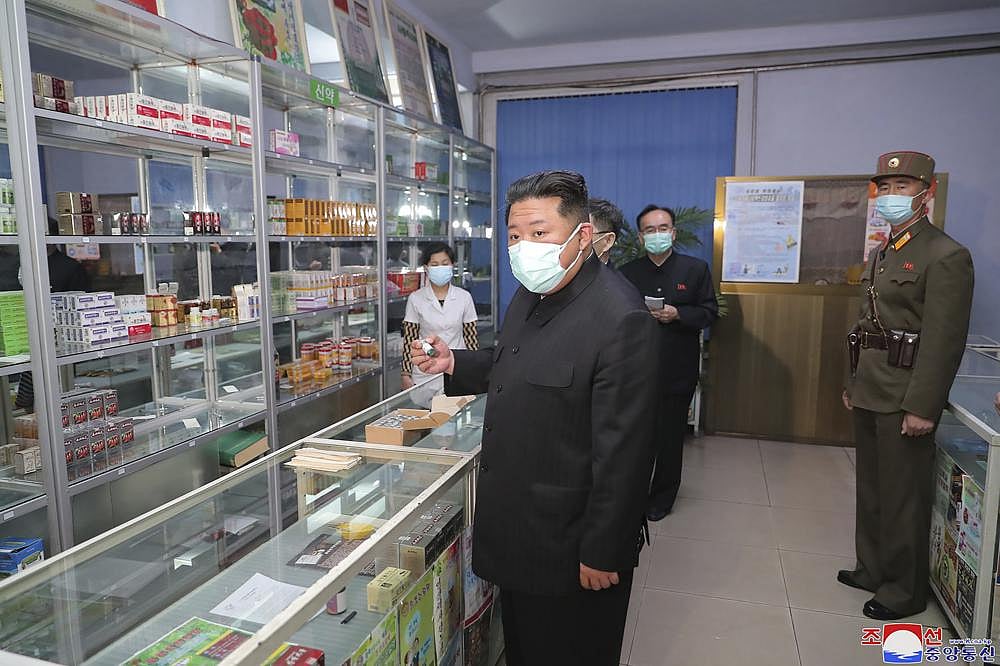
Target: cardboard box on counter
403,426
76,203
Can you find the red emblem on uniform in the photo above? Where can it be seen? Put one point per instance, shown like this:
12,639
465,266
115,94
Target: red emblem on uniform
681,286
908,266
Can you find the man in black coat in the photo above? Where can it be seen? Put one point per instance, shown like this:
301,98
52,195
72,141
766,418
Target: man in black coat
689,305
567,435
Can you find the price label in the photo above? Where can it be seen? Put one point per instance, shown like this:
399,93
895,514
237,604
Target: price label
229,388
86,239
293,403
121,471
324,93
8,515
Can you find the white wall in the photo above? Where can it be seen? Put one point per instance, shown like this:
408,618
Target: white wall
837,120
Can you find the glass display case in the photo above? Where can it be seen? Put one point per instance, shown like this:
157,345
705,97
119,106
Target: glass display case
472,227
213,565
964,555
237,230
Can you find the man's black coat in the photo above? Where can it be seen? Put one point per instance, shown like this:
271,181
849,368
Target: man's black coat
568,433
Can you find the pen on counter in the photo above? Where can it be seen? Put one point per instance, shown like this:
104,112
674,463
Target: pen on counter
350,616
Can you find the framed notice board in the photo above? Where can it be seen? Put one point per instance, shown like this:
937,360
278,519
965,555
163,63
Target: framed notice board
778,360
836,227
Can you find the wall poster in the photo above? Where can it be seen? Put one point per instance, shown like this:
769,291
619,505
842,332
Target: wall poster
272,28
443,77
411,72
763,239
354,23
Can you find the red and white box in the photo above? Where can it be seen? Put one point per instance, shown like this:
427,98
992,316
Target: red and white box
284,143
198,115
170,110
142,111
101,107
221,135
221,119
119,103
242,132
175,126
199,131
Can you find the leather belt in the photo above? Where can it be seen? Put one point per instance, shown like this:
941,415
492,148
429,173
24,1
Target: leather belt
873,341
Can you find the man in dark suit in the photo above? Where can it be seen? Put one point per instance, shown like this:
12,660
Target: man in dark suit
689,305
567,435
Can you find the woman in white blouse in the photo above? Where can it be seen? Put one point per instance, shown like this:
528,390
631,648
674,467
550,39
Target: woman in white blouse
438,308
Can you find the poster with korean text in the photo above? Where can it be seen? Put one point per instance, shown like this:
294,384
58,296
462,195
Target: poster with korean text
416,624
272,28
354,23
763,239
443,77
448,617
411,73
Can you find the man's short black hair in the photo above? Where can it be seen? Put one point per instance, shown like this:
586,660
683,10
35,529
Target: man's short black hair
432,249
649,209
569,186
606,216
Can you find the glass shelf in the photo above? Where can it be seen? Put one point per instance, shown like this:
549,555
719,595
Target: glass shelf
421,185
68,130
124,34
290,165
322,239
165,436
148,240
290,396
311,314
69,353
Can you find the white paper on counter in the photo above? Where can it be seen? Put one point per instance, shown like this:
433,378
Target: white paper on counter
259,600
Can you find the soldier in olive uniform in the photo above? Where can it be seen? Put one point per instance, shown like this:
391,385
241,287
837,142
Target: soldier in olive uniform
905,351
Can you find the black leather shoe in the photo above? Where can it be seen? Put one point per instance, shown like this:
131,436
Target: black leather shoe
653,515
877,611
846,577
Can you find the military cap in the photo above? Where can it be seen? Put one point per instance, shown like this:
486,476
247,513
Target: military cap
905,163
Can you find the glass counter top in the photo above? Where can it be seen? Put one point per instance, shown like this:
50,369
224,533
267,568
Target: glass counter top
972,394
109,598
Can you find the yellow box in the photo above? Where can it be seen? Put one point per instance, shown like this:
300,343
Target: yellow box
386,589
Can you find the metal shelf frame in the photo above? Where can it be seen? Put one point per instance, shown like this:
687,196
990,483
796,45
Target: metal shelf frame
146,45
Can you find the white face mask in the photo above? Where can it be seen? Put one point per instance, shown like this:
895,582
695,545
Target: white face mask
603,255
536,265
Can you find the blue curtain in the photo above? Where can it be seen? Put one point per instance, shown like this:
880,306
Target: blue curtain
663,147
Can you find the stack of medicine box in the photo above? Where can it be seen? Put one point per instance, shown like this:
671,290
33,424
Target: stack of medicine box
54,94
13,324
134,314
94,436
87,318
430,536
153,113
78,213
8,214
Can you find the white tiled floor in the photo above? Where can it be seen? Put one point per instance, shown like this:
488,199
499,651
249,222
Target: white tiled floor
744,569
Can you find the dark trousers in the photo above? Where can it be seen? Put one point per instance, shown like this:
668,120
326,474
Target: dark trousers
671,430
895,493
584,627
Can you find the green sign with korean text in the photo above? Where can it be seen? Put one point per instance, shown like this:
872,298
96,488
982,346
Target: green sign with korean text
324,93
